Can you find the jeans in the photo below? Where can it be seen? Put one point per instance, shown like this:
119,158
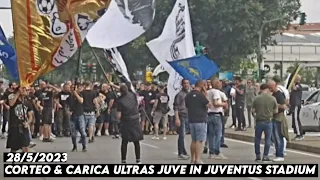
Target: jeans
181,135
224,121
214,133
266,128
278,138
234,115
240,115
78,123
172,125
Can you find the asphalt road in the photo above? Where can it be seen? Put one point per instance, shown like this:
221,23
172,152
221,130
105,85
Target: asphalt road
106,150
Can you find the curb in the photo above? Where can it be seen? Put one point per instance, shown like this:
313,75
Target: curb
291,145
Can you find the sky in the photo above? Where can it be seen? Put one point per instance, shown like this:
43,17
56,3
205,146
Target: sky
310,7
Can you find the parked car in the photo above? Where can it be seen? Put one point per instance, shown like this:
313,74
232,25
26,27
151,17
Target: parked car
310,113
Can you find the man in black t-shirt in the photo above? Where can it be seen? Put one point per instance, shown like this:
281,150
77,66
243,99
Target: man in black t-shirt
62,119
277,121
21,115
149,98
295,106
159,112
240,103
90,108
197,104
6,107
77,122
45,103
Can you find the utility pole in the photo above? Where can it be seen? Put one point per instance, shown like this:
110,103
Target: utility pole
260,52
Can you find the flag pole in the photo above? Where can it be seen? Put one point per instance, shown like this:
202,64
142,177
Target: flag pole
78,74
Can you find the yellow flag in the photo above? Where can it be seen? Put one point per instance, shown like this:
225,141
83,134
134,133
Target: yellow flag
43,41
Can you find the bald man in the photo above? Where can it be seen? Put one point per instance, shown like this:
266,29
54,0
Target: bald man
277,121
295,104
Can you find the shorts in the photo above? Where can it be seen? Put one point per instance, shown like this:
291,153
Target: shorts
103,118
159,116
90,119
47,116
198,131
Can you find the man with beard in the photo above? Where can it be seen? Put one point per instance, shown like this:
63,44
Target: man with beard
45,103
63,116
90,108
11,89
21,115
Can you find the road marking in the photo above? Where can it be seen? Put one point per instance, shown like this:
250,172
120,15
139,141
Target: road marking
149,145
253,178
292,151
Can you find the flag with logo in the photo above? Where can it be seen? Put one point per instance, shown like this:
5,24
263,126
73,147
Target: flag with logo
123,21
118,65
44,40
195,68
158,70
176,42
8,56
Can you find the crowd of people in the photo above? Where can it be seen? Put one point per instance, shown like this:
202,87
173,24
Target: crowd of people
202,110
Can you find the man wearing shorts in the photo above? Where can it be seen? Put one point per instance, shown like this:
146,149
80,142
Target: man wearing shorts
197,103
159,113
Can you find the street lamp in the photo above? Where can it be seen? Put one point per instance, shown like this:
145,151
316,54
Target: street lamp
260,57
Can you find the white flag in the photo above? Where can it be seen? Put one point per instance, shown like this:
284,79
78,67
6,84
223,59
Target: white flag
159,69
176,42
123,21
119,65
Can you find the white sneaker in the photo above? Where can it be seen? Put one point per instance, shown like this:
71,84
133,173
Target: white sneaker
164,138
155,138
41,137
106,132
52,135
219,157
32,144
99,133
278,159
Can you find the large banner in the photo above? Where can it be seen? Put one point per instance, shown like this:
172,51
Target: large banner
124,21
43,40
176,42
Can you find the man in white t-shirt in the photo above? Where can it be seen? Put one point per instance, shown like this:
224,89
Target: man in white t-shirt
233,108
286,94
215,115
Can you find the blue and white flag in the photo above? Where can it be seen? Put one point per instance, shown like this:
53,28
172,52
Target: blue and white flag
8,56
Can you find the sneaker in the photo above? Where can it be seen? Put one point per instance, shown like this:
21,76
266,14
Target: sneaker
258,159
298,138
183,157
47,140
74,149
106,132
138,161
232,126
91,140
224,146
219,157
99,133
155,138
32,144
52,135
84,149
123,162
41,138
164,138
278,159
238,129
199,162
205,150
116,136
266,160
